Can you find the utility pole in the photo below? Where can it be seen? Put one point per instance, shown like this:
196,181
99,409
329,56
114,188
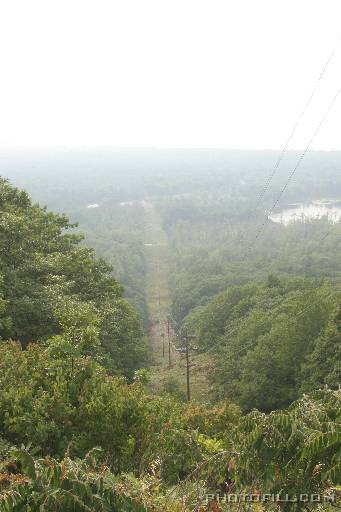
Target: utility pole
169,343
186,351
163,344
187,369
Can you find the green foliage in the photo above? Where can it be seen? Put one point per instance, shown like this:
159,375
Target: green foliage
52,398
323,365
122,338
116,232
57,401
270,341
142,376
71,404
172,387
47,485
55,289
293,452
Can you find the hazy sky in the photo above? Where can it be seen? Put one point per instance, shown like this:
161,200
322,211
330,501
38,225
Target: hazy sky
167,73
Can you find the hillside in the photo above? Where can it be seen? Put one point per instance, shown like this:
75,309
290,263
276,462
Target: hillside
91,415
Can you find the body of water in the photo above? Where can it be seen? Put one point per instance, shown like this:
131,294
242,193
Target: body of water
300,212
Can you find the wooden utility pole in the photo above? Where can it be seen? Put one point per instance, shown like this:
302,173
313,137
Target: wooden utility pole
186,350
163,344
169,343
187,369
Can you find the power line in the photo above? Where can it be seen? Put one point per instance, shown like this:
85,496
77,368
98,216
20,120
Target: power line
322,239
299,119
291,175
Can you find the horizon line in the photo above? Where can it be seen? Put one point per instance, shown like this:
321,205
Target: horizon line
22,149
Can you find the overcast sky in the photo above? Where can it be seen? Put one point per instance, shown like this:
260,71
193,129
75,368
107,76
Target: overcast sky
167,73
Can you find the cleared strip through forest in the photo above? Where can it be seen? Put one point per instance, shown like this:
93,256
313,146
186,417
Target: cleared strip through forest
158,300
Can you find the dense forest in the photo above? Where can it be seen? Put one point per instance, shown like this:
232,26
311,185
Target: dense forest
81,426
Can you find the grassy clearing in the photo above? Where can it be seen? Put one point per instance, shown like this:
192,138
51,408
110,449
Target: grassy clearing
157,293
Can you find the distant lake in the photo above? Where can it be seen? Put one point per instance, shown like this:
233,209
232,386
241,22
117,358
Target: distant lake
299,212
